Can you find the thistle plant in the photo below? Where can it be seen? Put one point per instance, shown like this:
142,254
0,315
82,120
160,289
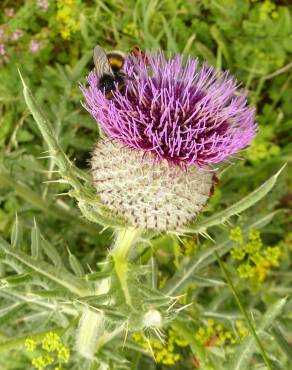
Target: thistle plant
162,135
166,131
153,169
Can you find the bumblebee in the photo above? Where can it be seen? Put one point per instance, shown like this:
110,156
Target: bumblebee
108,69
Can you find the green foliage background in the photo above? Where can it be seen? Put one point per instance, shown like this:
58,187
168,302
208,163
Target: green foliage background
253,39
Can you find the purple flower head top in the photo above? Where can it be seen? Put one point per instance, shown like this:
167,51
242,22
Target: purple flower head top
183,113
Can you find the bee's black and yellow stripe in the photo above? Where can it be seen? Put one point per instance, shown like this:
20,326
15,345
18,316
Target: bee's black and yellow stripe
116,61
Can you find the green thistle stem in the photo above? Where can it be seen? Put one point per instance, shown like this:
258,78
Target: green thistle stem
125,239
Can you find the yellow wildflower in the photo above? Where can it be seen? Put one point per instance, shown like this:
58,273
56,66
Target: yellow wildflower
30,344
131,29
164,353
236,235
241,329
258,260
51,342
63,354
38,362
68,17
267,8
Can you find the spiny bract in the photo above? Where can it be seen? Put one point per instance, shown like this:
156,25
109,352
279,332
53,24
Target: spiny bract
148,195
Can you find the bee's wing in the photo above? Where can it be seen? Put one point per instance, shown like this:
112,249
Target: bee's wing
102,65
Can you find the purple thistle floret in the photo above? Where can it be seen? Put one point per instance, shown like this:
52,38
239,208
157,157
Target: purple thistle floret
186,114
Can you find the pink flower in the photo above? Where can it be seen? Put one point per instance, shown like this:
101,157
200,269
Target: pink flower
2,49
2,33
35,46
43,4
10,12
3,57
17,34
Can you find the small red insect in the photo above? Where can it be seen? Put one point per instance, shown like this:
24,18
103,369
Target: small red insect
138,52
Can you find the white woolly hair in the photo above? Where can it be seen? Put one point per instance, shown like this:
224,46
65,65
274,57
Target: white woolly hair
148,195
91,326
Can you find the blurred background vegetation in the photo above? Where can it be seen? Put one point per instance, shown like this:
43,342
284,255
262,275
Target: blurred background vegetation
51,43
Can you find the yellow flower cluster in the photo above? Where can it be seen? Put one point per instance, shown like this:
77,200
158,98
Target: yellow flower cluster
241,329
68,17
214,335
163,353
268,9
50,343
131,30
188,247
30,344
257,259
41,362
258,152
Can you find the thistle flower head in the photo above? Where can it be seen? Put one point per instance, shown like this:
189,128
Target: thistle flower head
187,115
165,130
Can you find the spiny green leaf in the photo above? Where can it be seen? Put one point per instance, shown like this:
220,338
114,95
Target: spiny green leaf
62,278
75,265
19,279
10,312
52,210
52,253
236,208
35,242
64,164
17,233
